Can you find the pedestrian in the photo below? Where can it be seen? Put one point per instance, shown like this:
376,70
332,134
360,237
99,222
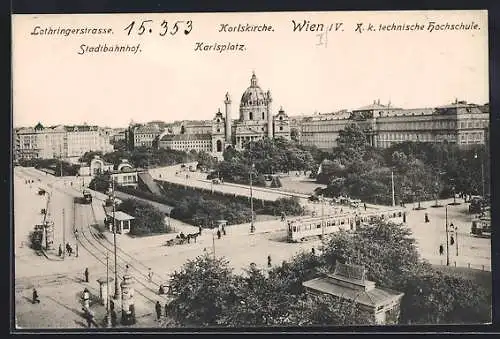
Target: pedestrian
218,234
441,249
161,290
35,299
150,275
86,273
113,318
426,217
364,205
158,310
86,298
313,251
166,310
60,250
452,240
404,216
199,230
223,230
268,261
89,317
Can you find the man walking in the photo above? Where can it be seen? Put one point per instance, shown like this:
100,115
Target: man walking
86,273
158,310
441,249
426,217
35,299
218,234
268,261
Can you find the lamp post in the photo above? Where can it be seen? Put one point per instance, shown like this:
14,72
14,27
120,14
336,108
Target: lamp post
117,292
447,242
322,199
392,189
252,226
108,315
482,173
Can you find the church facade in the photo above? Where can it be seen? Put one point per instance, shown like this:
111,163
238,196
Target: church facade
256,120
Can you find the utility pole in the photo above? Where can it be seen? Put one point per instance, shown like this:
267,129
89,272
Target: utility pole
64,232
447,242
392,186
323,218
213,242
482,178
108,315
117,292
252,226
456,239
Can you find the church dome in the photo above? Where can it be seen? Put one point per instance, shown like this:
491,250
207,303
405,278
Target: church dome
253,95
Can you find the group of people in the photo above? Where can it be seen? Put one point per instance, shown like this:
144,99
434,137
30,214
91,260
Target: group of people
158,310
69,250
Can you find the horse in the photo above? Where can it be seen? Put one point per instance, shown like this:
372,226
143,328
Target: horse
193,236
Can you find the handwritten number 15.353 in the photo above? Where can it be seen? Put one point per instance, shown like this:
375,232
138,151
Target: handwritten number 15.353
147,26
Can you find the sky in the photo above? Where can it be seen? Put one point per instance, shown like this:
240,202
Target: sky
168,80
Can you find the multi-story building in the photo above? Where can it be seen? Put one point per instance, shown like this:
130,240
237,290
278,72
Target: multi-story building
144,136
187,142
84,138
60,141
461,123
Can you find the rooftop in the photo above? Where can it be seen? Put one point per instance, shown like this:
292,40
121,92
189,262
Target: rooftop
185,137
121,216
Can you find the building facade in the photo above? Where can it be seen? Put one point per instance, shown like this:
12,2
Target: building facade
59,141
256,121
186,142
144,136
459,123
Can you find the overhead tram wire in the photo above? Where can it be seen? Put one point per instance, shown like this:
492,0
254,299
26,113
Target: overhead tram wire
103,262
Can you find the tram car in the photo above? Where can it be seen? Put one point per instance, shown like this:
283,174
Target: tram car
481,227
304,228
37,237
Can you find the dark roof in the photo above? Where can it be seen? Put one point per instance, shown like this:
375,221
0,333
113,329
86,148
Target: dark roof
372,297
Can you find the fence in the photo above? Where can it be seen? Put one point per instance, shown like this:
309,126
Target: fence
467,264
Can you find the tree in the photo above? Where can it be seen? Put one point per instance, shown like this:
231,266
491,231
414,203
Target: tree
327,310
351,143
438,298
100,182
294,134
148,219
202,290
88,156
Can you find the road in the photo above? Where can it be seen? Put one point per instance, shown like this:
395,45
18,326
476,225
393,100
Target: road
60,281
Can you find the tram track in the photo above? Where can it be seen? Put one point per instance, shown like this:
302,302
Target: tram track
91,245
92,242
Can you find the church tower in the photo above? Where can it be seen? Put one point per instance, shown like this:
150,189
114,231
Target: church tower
269,115
227,103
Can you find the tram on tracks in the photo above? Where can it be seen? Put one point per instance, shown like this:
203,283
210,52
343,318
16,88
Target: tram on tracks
481,226
303,228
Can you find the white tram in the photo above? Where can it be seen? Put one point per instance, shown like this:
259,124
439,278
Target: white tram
302,228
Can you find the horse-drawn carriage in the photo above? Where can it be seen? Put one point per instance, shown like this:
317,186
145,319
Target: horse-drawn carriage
181,239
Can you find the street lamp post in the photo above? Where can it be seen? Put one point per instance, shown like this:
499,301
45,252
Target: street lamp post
447,242
117,292
108,316
392,188
322,219
482,173
252,226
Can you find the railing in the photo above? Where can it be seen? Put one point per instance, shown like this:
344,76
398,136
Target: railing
468,265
